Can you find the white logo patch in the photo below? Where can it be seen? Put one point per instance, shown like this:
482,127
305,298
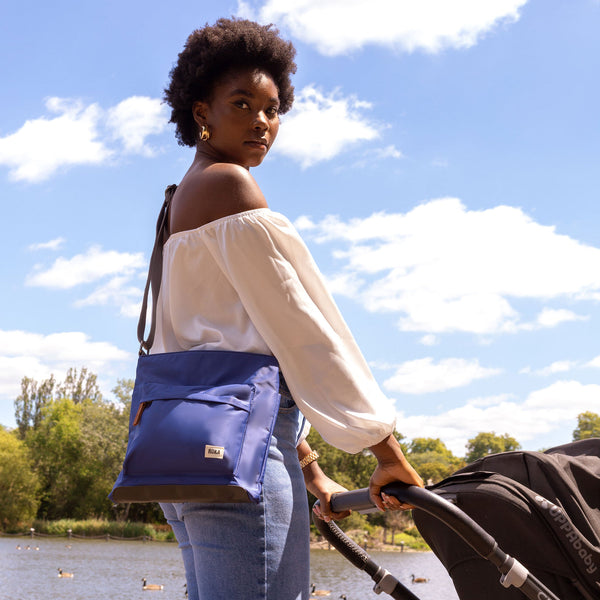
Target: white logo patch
214,452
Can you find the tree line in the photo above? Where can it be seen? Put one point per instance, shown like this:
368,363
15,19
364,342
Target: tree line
63,456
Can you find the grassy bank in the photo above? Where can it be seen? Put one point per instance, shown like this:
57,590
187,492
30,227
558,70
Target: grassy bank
101,527
371,537
375,538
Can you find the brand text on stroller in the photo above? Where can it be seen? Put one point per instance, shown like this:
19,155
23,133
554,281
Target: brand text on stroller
570,534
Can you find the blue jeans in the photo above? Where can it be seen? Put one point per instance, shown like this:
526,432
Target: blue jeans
251,551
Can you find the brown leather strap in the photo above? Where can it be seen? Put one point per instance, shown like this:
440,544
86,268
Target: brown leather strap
155,274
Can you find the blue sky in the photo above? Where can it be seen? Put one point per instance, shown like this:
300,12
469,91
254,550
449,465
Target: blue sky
441,162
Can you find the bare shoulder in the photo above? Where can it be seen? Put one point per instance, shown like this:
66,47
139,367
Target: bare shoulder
232,187
220,190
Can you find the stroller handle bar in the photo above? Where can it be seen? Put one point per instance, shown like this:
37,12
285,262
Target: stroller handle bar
513,573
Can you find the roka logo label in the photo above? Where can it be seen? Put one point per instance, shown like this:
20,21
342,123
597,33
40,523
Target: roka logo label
214,452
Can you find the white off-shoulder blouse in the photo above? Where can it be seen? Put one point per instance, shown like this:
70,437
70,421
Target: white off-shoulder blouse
247,282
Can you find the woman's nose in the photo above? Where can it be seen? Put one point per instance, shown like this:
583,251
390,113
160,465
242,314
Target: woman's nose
260,121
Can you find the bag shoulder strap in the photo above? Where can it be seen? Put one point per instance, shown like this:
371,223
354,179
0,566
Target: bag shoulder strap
155,274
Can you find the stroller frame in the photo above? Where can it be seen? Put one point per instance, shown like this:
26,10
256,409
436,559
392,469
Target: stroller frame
513,573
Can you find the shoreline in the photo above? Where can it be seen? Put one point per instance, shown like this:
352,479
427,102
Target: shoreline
325,545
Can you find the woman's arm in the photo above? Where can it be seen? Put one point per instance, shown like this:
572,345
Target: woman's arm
287,300
318,484
391,466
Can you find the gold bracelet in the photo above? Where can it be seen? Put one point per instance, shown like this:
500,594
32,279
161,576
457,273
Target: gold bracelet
310,457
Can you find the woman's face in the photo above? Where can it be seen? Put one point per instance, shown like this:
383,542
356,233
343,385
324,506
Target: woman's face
242,118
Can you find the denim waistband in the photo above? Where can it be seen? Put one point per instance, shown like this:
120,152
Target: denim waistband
287,401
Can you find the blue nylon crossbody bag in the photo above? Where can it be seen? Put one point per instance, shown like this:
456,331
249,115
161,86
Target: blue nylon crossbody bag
201,421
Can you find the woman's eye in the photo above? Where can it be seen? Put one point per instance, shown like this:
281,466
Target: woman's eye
272,112
241,104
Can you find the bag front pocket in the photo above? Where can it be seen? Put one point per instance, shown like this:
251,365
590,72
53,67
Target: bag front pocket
188,431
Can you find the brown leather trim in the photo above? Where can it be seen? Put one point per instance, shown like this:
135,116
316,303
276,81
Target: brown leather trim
180,493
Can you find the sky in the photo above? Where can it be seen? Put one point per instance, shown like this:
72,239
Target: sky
441,162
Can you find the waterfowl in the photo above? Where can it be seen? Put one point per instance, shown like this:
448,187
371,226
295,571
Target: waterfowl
151,586
419,579
316,592
61,573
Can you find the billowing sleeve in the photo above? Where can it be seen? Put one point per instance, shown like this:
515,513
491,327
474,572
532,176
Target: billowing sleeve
285,296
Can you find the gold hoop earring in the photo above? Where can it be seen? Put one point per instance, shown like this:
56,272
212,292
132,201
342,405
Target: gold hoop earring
204,134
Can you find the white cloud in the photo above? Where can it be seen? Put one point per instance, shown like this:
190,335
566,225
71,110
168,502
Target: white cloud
344,284
117,292
81,134
110,271
444,268
54,244
304,223
134,119
382,365
428,340
38,356
562,366
388,152
86,268
544,411
553,317
594,363
43,145
76,134
321,126
340,26
558,366
423,376
375,156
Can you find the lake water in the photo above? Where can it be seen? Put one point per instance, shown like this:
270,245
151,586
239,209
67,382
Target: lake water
114,570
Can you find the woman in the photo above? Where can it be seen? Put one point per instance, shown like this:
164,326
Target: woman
236,276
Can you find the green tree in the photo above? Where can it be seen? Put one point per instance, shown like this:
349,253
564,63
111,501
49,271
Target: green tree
30,403
485,443
79,386
103,429
18,482
56,448
123,391
34,396
77,442
588,426
432,459
421,445
78,451
395,520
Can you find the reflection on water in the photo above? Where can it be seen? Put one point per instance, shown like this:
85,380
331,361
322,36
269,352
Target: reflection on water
331,571
115,569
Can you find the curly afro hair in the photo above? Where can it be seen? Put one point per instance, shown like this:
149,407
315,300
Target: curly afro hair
214,51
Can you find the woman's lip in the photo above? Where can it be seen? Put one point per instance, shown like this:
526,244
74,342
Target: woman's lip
257,144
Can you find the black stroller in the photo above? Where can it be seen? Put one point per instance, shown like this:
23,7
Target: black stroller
542,507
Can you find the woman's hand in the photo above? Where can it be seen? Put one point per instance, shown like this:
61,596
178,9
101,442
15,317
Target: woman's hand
324,488
392,466
321,486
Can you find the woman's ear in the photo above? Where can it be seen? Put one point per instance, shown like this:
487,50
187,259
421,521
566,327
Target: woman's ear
199,111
